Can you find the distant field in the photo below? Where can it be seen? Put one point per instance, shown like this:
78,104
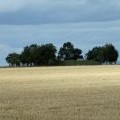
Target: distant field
60,93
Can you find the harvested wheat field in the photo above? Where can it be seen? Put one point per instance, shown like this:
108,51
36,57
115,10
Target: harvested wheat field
60,93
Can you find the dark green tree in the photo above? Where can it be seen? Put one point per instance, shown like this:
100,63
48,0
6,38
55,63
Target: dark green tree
46,54
104,54
29,54
68,52
110,53
25,56
13,59
77,54
96,54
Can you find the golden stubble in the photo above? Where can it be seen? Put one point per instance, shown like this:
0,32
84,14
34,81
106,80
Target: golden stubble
60,93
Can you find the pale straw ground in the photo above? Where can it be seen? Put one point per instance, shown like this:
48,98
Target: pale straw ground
60,93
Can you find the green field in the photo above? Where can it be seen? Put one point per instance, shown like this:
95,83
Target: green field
60,93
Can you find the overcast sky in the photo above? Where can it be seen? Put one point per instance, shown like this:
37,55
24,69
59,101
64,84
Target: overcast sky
86,23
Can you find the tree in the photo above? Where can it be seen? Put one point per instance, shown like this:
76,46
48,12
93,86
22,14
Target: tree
68,52
77,54
38,54
110,53
46,54
29,54
96,54
13,59
104,54
25,56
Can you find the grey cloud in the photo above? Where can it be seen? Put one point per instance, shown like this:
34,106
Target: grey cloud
62,11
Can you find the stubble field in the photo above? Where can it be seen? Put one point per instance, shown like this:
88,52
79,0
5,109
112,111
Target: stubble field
60,93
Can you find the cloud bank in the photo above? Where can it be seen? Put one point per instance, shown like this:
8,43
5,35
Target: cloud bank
57,11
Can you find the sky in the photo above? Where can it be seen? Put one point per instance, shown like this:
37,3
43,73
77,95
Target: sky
85,23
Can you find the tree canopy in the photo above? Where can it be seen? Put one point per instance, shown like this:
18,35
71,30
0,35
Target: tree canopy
46,54
13,59
33,55
68,52
38,54
104,54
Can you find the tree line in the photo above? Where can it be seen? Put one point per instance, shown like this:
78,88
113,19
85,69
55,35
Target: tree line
46,54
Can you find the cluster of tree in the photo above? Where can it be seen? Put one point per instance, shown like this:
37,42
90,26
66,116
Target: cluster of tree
33,55
37,55
105,54
43,55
